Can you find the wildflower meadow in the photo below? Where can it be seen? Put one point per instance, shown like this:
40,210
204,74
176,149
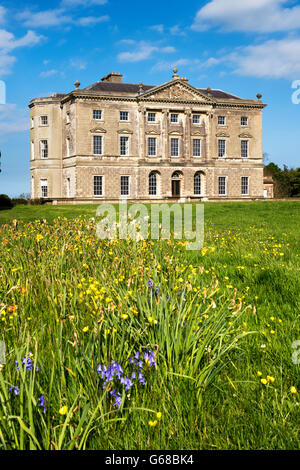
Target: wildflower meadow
123,344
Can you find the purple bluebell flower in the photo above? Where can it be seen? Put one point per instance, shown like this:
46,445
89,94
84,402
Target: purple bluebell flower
142,379
157,289
150,358
15,390
150,283
41,401
118,400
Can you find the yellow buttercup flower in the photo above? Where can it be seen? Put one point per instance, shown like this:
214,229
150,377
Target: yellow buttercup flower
158,414
124,316
259,373
63,410
264,381
293,390
270,379
152,423
85,329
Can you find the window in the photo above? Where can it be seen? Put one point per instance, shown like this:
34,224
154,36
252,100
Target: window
97,144
197,184
32,123
44,188
98,186
197,147
152,146
221,148
174,147
97,114
196,118
124,145
174,118
221,120
68,146
124,115
44,148
245,185
32,150
152,184
244,148
222,186
244,121
151,117
124,185
44,120
68,118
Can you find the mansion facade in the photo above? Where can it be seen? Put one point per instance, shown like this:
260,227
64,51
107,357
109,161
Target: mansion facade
146,143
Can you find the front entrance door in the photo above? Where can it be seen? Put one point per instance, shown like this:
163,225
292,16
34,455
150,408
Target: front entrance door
175,188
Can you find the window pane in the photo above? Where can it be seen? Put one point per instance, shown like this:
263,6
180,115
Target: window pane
196,118
152,146
245,185
124,145
221,120
152,184
222,186
97,114
44,188
197,147
221,148
151,117
244,148
244,121
44,148
174,117
98,186
125,185
174,147
97,144
197,184
123,115
44,120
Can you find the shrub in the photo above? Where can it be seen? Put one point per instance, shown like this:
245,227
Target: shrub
5,202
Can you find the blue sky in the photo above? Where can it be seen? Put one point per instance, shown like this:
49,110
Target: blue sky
243,47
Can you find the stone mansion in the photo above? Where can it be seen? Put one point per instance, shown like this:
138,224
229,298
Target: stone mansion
173,141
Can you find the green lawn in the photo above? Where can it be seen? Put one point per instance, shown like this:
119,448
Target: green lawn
219,324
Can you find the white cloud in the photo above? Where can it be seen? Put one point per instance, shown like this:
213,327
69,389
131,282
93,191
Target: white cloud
86,3
90,20
8,42
46,18
271,59
2,14
159,28
143,51
248,15
78,64
48,73
176,31
57,17
13,119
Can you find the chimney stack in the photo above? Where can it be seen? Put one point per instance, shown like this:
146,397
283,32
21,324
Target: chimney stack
113,77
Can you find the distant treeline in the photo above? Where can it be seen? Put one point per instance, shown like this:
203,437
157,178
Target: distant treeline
286,181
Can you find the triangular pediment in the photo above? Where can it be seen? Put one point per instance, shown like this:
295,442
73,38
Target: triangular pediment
176,90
